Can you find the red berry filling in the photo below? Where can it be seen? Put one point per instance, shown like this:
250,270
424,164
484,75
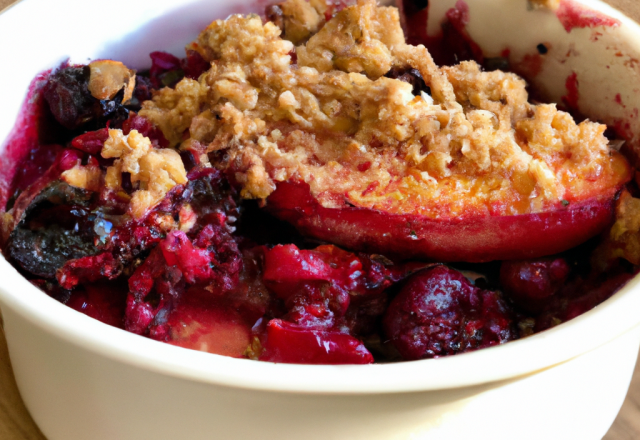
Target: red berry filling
205,270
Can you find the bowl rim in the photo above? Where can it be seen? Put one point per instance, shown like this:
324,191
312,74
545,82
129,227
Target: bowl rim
617,315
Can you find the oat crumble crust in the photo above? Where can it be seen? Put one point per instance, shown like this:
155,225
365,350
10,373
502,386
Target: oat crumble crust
474,146
153,171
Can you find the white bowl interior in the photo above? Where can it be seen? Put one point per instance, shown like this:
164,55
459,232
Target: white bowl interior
128,31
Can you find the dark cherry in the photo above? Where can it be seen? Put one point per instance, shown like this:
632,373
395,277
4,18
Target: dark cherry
411,76
55,228
167,70
530,282
68,95
438,312
275,15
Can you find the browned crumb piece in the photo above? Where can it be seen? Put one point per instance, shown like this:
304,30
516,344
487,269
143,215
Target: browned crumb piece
298,19
85,177
184,102
356,40
153,171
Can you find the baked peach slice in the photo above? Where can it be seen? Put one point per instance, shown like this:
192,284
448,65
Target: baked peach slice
492,178
519,186
471,239
490,181
363,141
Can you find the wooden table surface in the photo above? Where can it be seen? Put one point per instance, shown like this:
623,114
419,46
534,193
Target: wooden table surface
16,423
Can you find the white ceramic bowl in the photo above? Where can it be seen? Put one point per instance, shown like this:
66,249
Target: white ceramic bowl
82,379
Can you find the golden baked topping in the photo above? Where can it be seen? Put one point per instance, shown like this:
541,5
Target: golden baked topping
85,177
153,171
174,109
469,144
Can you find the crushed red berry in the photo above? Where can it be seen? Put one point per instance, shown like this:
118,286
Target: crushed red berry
166,69
531,283
321,286
92,141
439,312
101,301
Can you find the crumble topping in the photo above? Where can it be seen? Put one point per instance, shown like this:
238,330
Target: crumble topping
359,39
470,144
87,177
175,109
298,19
153,171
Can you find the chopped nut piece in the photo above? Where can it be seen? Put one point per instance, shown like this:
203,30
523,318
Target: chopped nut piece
85,177
108,77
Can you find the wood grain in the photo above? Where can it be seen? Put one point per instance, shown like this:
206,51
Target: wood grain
16,423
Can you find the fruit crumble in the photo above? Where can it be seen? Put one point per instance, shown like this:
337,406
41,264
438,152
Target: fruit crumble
307,187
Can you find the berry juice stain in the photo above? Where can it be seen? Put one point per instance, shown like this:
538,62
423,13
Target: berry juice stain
574,15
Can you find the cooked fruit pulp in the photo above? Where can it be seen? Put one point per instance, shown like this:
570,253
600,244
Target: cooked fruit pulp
137,211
